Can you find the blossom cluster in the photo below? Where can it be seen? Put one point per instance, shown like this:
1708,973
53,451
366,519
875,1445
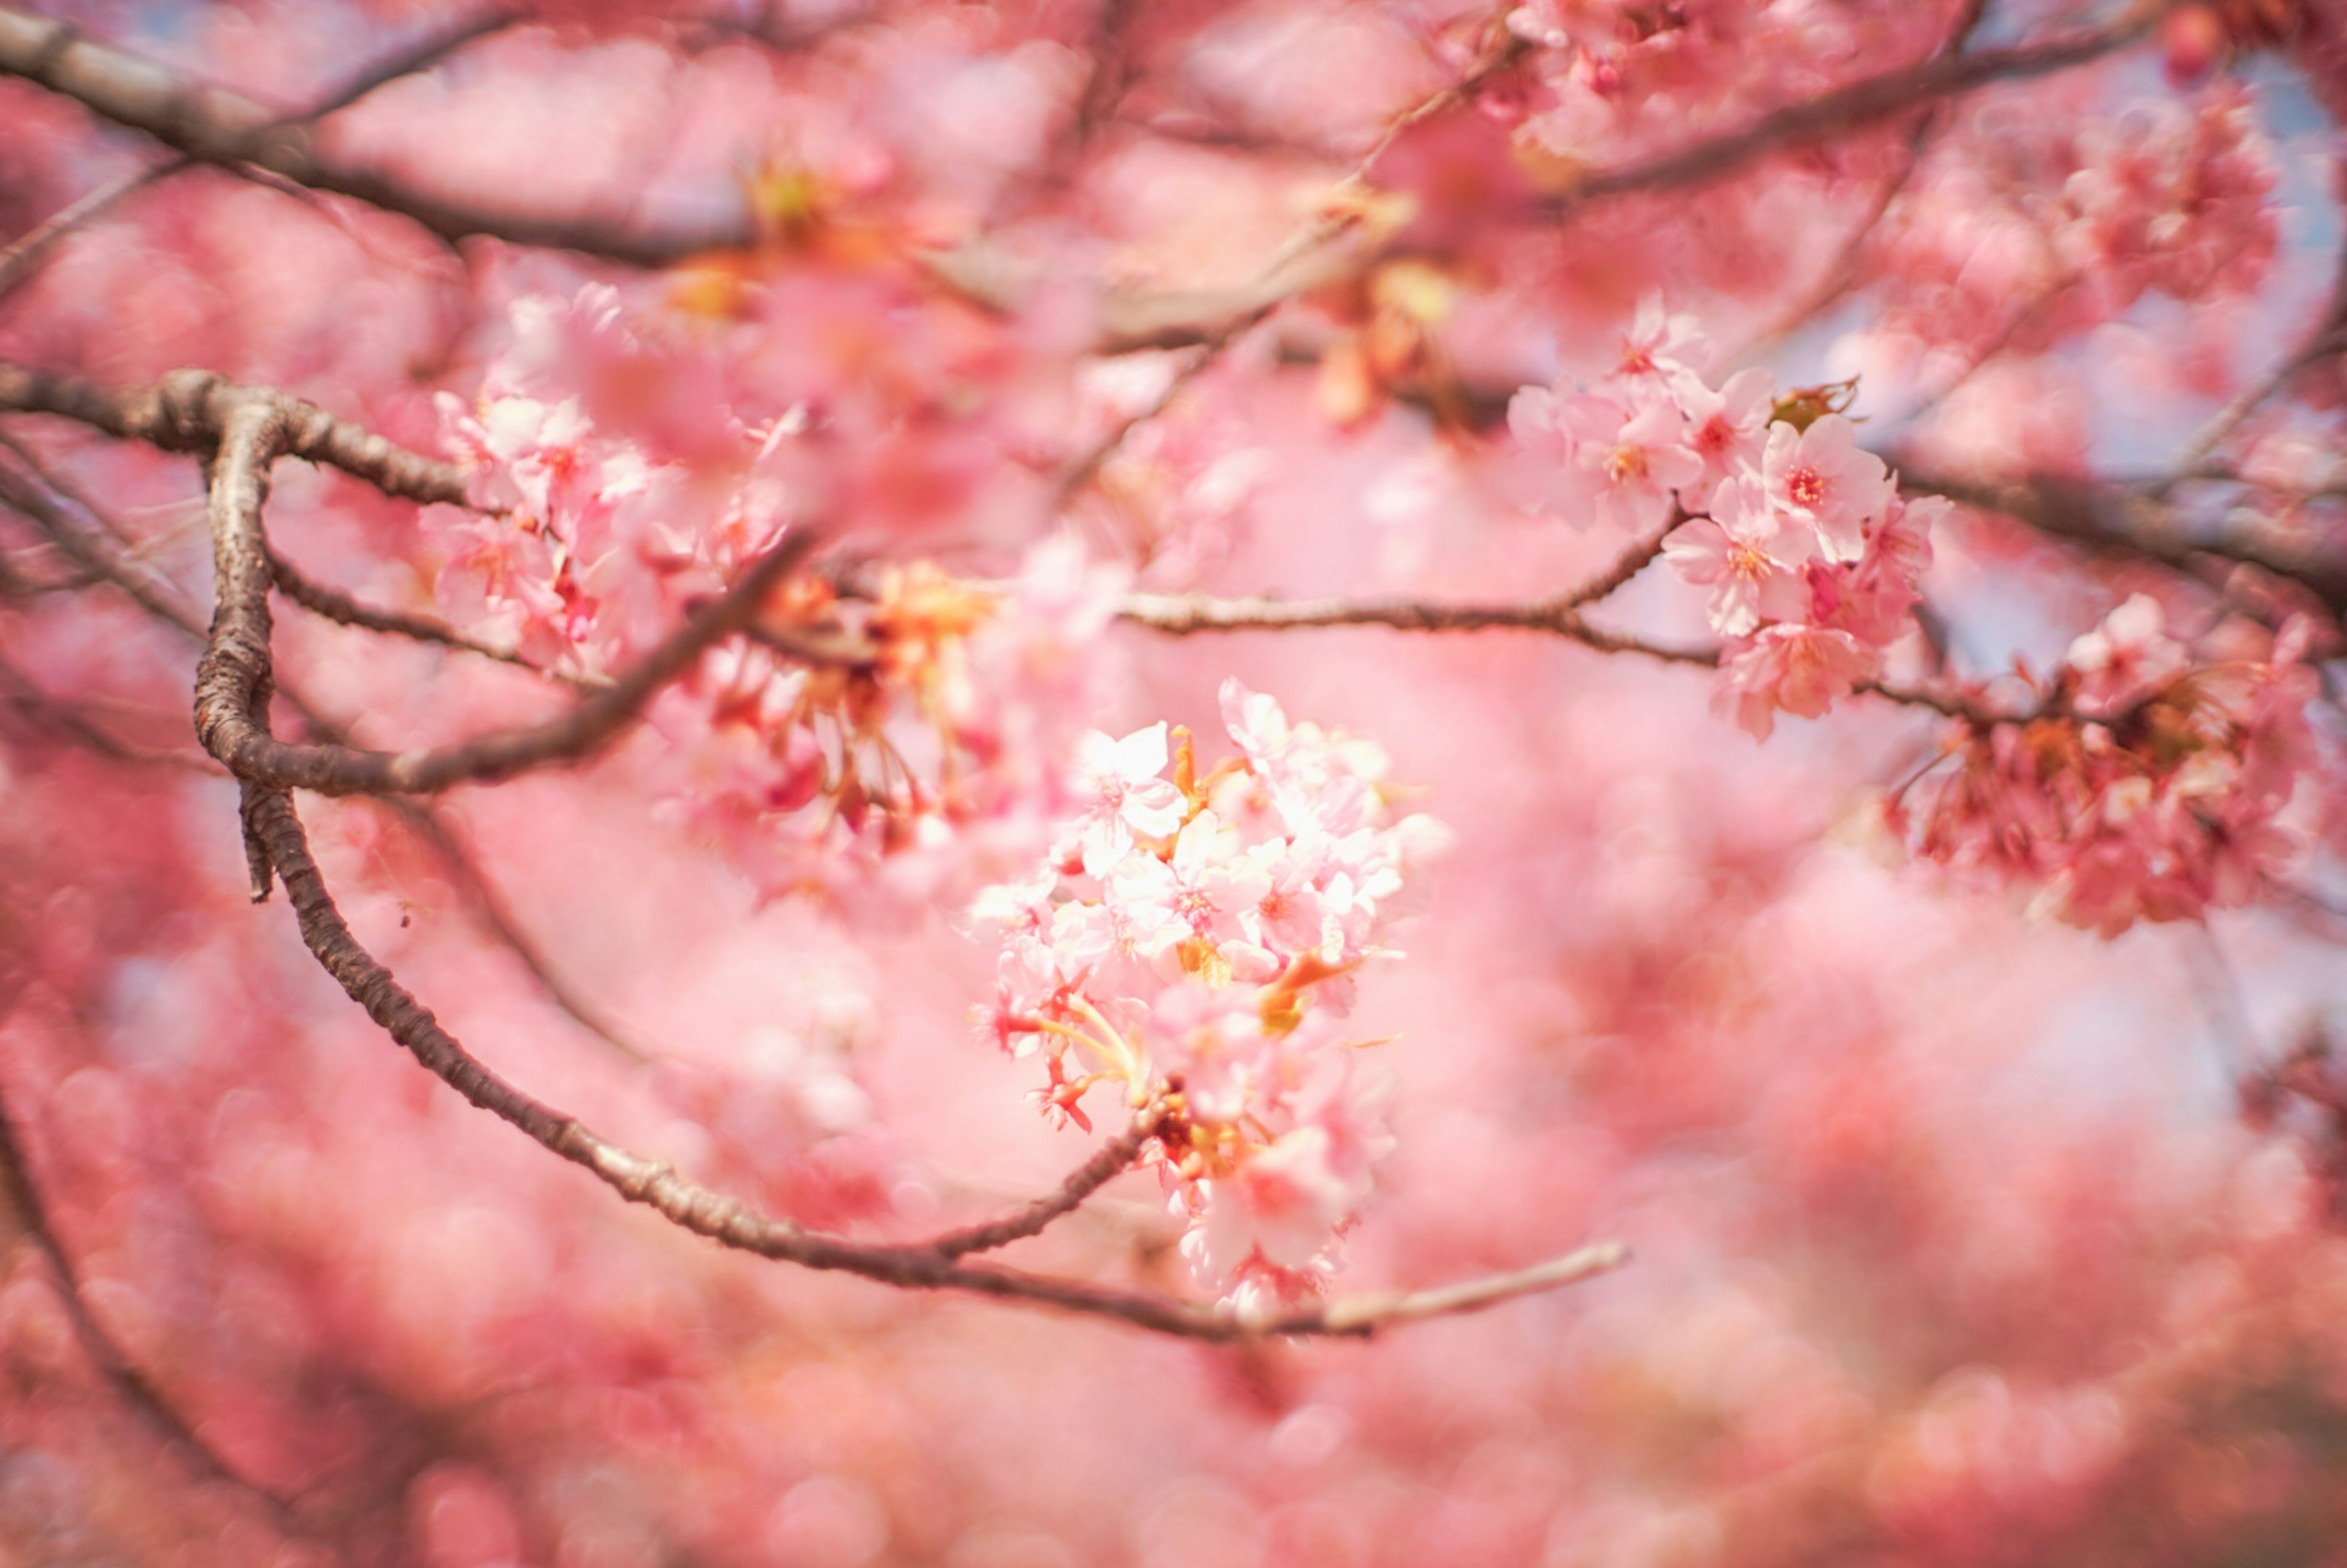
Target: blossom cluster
2149,785
2178,202
1194,939
2058,227
884,716
1810,554
582,542
1628,78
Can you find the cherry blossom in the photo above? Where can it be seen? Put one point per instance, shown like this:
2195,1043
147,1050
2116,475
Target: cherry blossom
1122,794
1821,476
1962,382
1751,553
1619,464
1201,960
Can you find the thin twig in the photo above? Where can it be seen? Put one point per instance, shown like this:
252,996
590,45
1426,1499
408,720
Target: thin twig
334,605
96,554
415,60
1841,275
489,905
1086,466
1185,615
23,255
2131,521
1507,48
1629,564
1884,96
1111,1159
135,1387
27,251
24,696
106,561
2328,337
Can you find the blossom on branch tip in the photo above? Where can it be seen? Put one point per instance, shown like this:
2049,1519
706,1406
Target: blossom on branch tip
2152,786
1195,940
1661,349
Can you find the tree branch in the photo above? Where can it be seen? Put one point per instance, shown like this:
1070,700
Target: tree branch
2127,521
1110,1160
413,60
2328,337
88,549
1884,96
332,604
214,125
188,410
106,562
135,1387
233,680
191,410
488,906
732,1223
217,127
1185,615
22,696
25,251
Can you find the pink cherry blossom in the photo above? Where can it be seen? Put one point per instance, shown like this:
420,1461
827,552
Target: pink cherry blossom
1121,795
1749,553
2127,659
1793,669
1821,474
1281,1204
1727,428
1661,350
1985,1198
1601,459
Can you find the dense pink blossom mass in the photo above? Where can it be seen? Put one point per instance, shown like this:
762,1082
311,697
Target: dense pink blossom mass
1272,782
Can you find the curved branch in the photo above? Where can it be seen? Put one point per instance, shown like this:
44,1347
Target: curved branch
214,125
26,252
233,682
1185,615
193,410
88,549
732,1223
187,411
105,561
62,717
489,908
